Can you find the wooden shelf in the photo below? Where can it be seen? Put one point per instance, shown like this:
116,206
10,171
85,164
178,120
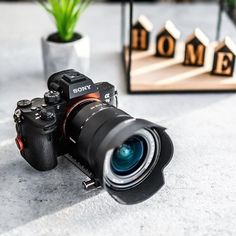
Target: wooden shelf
152,74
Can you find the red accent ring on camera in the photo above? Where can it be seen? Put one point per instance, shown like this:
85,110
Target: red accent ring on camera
90,97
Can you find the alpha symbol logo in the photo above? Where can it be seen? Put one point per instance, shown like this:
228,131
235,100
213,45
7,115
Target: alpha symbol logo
82,89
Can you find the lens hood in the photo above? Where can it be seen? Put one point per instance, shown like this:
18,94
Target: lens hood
111,135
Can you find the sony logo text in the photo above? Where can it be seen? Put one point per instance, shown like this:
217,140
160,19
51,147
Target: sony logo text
82,89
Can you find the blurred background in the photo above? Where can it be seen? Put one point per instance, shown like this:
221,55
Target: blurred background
198,197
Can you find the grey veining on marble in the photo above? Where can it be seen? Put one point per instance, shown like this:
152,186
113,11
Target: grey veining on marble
199,197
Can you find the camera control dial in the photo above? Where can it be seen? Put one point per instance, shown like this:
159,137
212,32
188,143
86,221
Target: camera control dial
24,103
46,115
52,97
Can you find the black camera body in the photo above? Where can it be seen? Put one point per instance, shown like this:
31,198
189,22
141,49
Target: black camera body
40,123
80,120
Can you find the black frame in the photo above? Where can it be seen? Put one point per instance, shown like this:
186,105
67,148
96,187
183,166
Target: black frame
127,66
219,23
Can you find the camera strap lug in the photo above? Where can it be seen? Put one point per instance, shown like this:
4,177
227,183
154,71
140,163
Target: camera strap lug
17,116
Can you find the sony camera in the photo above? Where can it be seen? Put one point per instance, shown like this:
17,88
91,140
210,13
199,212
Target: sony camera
80,120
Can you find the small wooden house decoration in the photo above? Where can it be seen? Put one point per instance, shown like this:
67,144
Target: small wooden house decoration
195,49
166,40
141,32
224,58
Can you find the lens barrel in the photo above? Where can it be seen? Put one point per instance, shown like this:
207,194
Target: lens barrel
126,155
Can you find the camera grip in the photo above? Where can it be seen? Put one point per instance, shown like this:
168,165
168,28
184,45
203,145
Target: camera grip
39,150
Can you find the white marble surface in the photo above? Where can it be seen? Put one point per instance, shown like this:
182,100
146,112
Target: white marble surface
199,197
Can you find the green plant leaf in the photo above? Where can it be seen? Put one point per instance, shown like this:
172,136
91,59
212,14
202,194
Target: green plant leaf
66,14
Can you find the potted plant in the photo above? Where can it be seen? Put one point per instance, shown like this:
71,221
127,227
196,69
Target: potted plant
66,48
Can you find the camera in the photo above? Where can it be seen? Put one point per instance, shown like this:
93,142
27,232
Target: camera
80,120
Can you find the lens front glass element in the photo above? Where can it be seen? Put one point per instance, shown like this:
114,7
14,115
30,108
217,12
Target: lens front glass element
131,162
129,156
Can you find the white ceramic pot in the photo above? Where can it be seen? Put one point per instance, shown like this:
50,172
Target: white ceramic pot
63,56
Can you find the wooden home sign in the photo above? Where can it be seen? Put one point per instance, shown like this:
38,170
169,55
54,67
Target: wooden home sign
172,65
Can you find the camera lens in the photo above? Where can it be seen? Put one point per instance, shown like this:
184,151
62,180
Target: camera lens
131,162
126,156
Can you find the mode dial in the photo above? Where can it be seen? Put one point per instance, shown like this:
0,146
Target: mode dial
52,97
